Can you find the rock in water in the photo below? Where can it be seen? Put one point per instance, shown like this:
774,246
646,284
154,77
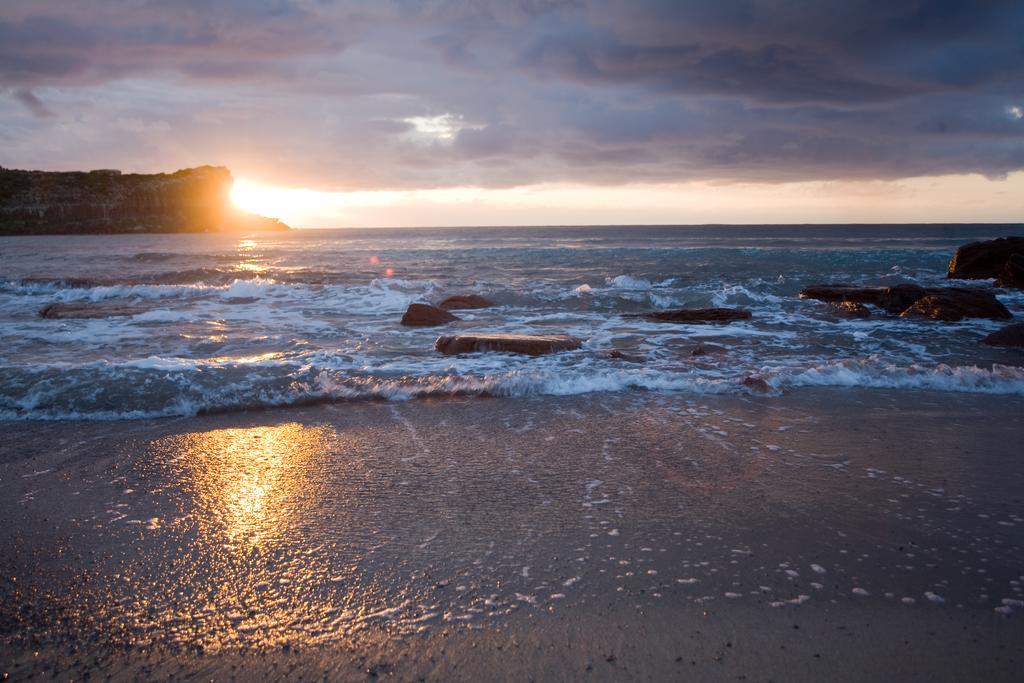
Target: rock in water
698,315
1012,274
850,309
425,315
465,301
956,303
66,311
1001,258
891,299
708,350
1011,335
619,354
530,345
937,303
755,383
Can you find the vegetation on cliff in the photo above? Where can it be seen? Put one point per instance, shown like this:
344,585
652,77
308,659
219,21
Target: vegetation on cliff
107,201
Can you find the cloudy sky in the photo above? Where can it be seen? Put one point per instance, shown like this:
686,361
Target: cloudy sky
462,112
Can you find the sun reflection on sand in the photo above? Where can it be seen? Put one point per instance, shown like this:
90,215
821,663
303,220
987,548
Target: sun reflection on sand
265,551
250,484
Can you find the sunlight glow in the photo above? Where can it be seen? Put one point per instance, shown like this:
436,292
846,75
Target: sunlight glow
958,198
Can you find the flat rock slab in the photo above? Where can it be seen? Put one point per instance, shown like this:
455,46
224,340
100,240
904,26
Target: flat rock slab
1011,335
425,315
529,345
698,315
947,304
83,311
465,301
1002,259
893,300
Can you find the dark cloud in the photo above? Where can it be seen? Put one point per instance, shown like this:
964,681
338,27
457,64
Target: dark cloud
43,42
772,73
33,103
328,93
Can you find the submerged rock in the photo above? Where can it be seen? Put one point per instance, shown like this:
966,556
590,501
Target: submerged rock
425,315
755,383
619,354
698,315
709,350
1002,259
80,311
465,301
530,345
937,303
1011,335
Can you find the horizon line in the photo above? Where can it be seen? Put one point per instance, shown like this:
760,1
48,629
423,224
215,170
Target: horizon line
669,225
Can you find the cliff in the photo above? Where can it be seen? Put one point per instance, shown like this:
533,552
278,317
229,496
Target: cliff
107,201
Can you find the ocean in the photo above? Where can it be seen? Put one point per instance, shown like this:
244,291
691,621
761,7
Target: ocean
228,323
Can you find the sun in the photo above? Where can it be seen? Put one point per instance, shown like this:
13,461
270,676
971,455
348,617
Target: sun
302,206
266,200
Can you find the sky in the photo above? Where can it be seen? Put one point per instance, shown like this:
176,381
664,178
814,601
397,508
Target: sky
515,112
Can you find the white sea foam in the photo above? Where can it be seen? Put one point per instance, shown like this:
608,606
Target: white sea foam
184,386
382,295
630,282
872,372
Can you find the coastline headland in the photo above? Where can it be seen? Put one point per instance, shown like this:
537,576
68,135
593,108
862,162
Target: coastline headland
192,200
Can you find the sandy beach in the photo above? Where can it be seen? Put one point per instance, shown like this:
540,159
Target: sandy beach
833,534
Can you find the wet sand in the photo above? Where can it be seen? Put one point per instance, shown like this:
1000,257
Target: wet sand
822,535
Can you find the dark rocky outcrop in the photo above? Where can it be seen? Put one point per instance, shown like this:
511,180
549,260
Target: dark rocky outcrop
938,303
425,315
108,310
462,301
698,315
893,300
530,345
957,303
1012,274
1011,335
1002,259
95,202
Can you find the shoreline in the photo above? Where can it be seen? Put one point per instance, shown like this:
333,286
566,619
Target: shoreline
449,539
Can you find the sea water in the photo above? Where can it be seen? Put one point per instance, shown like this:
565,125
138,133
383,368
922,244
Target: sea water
235,322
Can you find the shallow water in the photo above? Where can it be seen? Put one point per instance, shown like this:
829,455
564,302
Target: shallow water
283,319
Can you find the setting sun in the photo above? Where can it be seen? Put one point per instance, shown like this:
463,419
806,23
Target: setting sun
275,201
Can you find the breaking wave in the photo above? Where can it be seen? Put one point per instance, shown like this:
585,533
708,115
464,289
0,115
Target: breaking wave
164,387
